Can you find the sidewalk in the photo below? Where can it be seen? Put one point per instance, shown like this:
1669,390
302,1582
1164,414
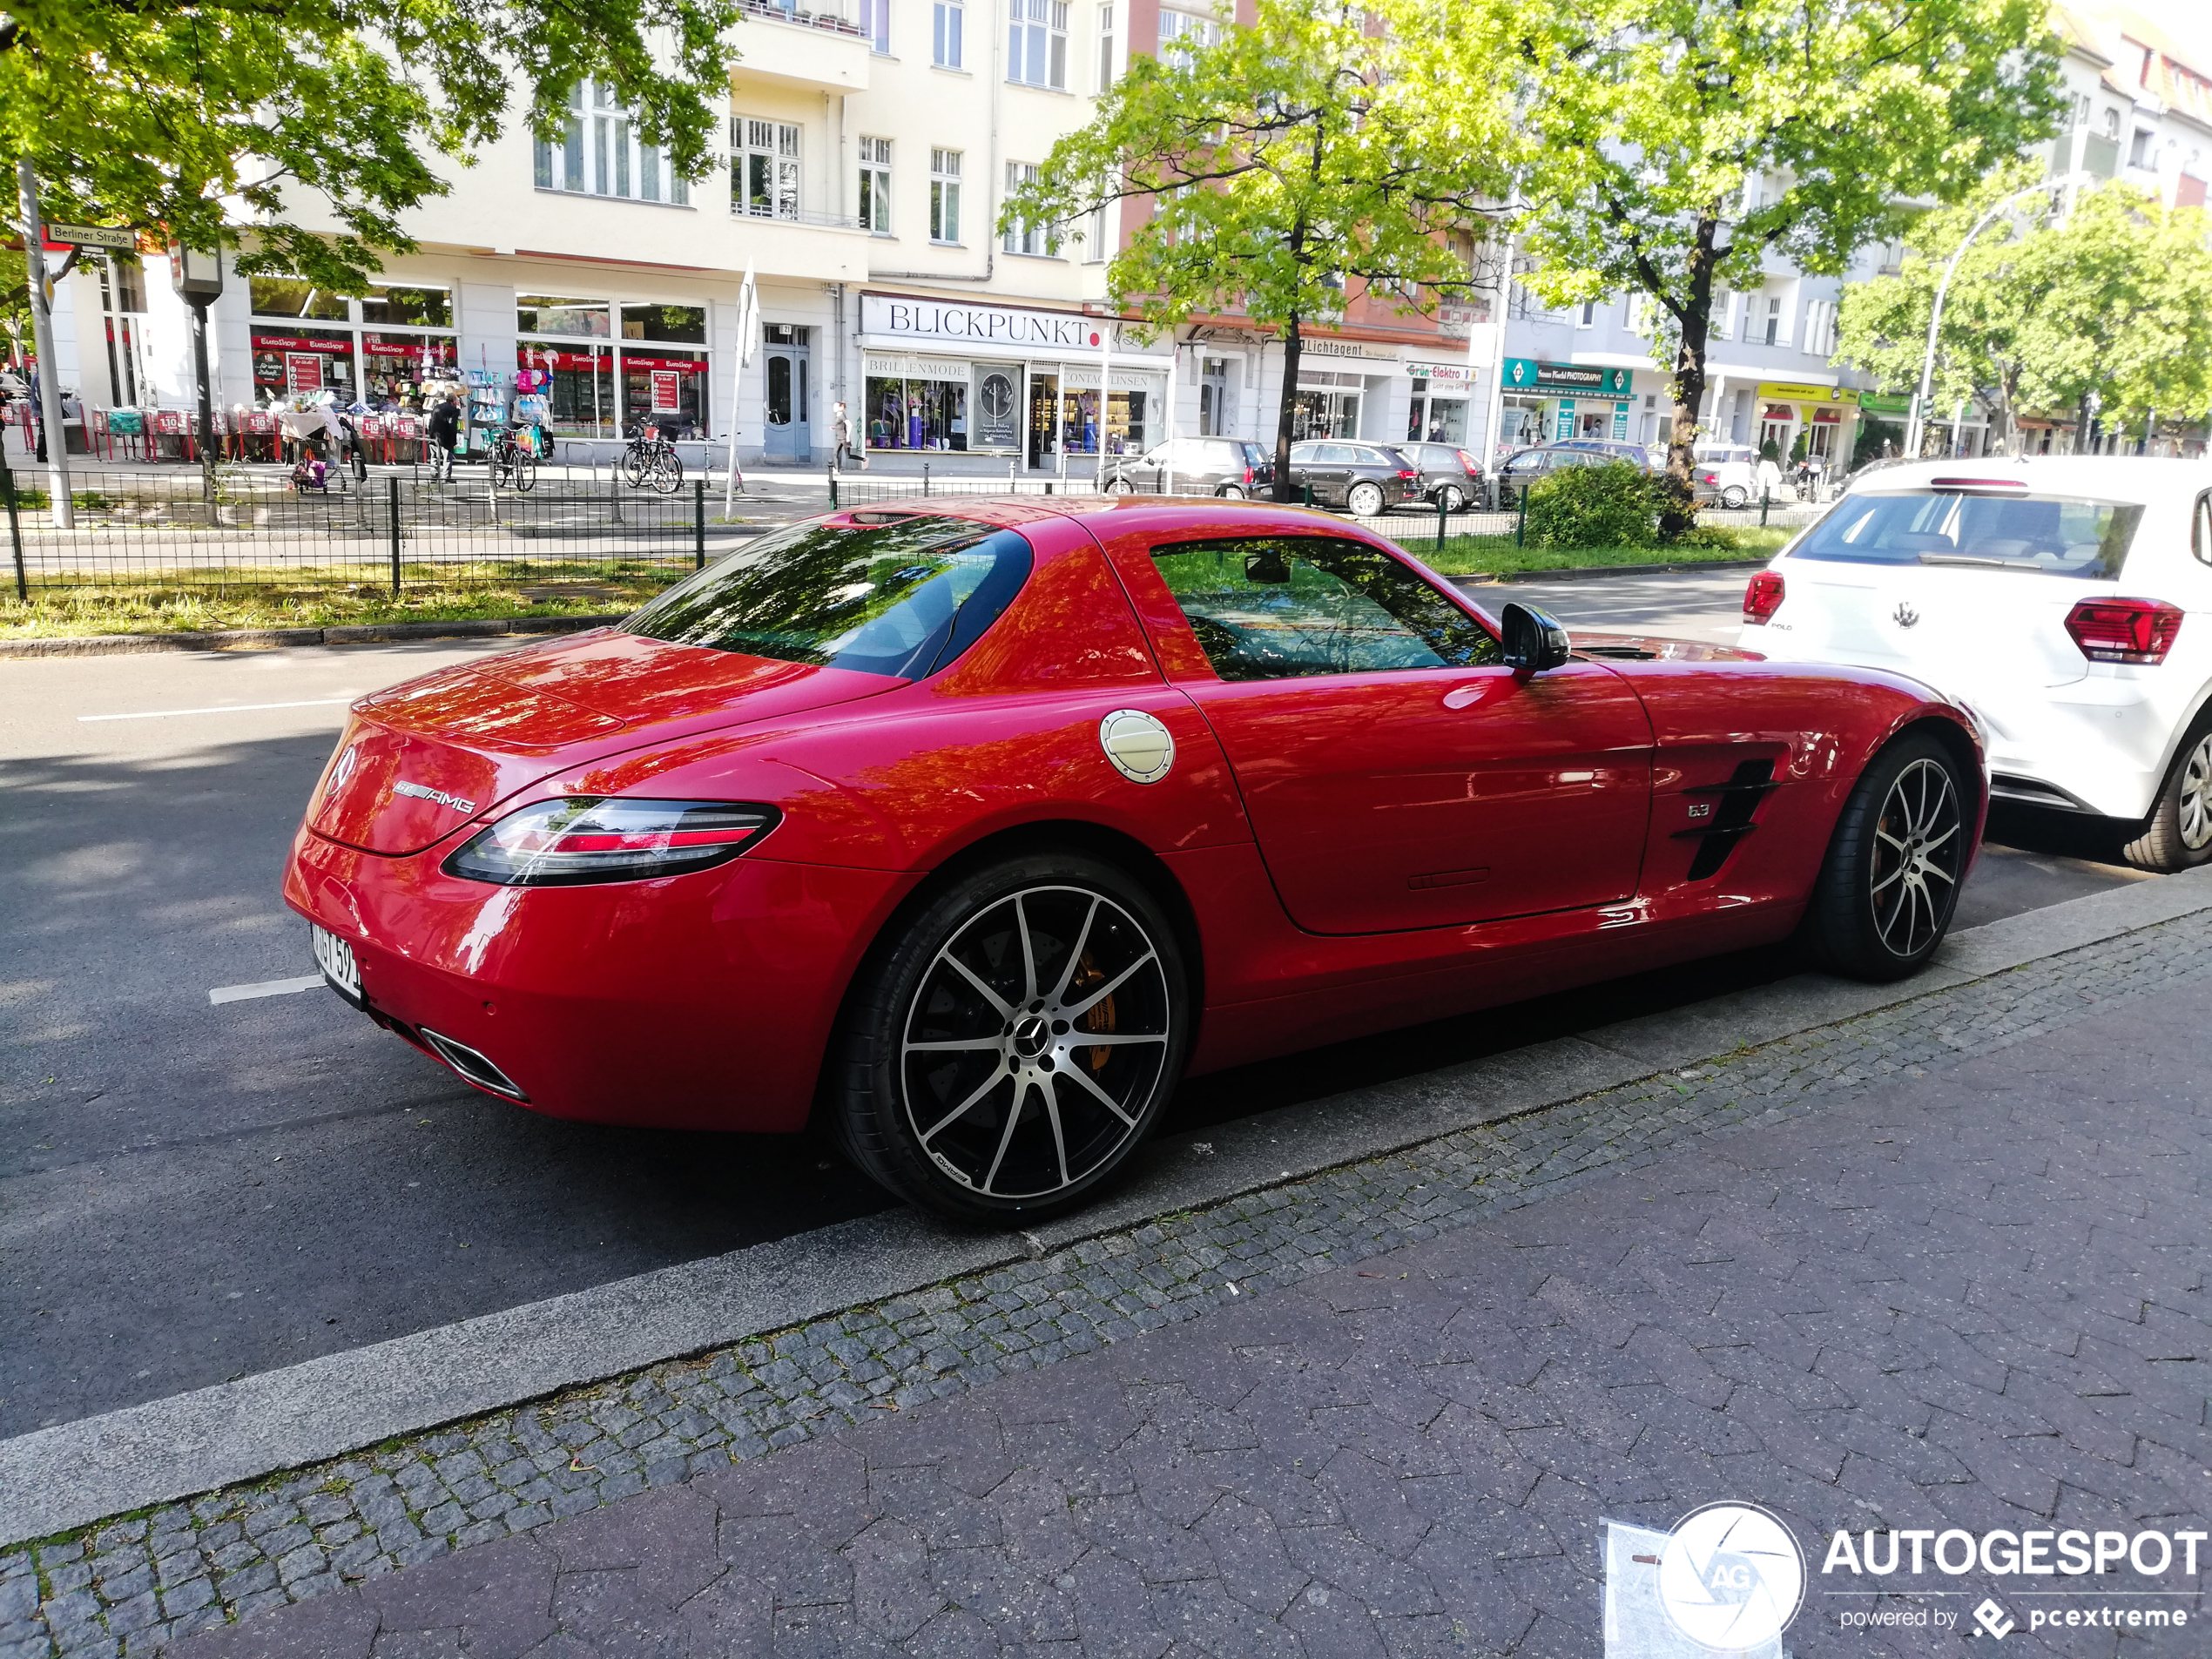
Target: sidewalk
1940,1266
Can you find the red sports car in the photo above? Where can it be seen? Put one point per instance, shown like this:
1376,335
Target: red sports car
974,825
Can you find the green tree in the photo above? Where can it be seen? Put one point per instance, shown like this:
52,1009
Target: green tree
1270,172
195,120
1674,146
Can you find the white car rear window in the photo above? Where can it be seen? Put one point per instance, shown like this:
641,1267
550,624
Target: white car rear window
2049,535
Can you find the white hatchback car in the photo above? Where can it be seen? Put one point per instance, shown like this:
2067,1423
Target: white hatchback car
2065,600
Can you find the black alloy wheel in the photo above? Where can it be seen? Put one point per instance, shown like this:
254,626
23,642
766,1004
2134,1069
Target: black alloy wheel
1886,895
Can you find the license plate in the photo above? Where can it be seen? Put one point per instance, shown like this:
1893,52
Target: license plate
336,957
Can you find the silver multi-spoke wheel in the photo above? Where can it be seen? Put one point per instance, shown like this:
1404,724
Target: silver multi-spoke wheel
1034,1047
1917,845
2192,806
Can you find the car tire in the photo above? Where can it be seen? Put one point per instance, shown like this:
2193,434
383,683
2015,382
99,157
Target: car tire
2178,834
1009,1116
1119,485
1231,492
1449,499
1366,499
1889,886
1734,497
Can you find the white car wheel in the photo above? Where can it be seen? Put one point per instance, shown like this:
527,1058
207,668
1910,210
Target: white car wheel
1366,499
1734,496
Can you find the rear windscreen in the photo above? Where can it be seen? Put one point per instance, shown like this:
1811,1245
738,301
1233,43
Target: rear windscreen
903,596
2053,535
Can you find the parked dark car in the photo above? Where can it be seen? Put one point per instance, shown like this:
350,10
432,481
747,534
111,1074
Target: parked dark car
1369,478
1518,471
1450,476
1637,454
1227,466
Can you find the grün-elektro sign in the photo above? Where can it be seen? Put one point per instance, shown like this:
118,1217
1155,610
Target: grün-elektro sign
1571,380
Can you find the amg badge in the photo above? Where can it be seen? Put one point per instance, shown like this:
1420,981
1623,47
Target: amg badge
423,791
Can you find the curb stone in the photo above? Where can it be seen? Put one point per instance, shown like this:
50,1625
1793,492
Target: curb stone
278,638
426,1495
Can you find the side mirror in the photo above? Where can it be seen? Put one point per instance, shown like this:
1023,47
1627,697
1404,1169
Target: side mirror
1534,640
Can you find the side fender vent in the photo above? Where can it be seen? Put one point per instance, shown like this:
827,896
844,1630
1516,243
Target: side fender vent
1732,821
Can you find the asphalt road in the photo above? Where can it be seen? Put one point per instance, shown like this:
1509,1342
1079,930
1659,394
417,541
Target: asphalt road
191,1192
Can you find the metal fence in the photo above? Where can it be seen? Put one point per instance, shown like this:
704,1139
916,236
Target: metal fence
139,531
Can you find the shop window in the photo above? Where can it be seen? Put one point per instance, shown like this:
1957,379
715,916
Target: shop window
290,297
396,365
1025,236
577,378
875,185
1036,46
1105,47
1184,32
944,195
599,153
665,387
413,307
682,324
947,23
904,414
763,167
539,313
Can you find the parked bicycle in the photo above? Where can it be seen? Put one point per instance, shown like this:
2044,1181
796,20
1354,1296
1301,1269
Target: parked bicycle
651,459
514,460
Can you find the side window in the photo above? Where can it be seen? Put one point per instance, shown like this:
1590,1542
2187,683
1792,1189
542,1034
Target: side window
2201,529
1286,607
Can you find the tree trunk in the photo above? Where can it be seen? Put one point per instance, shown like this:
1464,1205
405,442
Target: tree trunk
1678,499
1287,406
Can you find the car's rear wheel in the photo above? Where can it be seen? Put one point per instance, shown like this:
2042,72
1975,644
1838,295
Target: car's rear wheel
2178,834
1736,496
1012,1045
1231,492
1451,500
1118,485
1886,895
1366,499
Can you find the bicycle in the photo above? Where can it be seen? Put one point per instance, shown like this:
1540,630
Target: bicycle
651,459
514,463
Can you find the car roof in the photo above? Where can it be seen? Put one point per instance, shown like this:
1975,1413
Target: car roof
2124,477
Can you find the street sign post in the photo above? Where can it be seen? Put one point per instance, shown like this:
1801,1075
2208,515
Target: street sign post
92,236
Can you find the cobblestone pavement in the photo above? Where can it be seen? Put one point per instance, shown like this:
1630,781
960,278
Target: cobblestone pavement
1940,1267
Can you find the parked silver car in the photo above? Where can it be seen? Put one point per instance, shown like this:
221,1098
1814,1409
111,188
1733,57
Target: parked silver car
1227,466
1450,476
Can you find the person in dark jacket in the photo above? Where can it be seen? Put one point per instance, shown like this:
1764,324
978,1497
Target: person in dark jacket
443,428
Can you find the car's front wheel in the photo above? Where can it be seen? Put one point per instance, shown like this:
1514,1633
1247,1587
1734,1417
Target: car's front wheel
1366,499
2178,834
1884,896
1231,492
1011,1045
1734,496
1450,499
1120,485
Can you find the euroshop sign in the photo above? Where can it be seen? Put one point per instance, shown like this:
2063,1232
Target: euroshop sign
888,317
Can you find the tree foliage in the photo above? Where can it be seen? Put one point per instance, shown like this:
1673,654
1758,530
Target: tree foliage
2113,300
1270,172
184,118
1674,146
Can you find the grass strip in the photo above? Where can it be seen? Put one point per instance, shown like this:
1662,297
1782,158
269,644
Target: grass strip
1497,555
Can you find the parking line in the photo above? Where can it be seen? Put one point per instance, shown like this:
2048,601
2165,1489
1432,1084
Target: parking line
227,708
223,994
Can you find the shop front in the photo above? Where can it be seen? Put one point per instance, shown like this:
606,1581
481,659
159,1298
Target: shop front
949,377
1551,402
303,362
1821,416
380,349
1438,412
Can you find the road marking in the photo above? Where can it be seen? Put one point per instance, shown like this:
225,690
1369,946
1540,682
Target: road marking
223,994
227,708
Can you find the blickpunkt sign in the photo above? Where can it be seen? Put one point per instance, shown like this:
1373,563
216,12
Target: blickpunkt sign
949,322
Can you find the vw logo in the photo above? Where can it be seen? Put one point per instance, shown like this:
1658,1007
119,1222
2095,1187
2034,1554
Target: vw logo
1904,616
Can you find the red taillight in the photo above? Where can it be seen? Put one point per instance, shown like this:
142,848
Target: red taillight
1409,473
584,838
1763,597
1470,462
1248,472
2124,631
1708,477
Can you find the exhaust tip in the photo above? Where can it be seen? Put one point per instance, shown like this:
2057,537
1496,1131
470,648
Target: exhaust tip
473,1066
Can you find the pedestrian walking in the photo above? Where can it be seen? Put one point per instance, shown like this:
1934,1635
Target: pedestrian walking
444,430
841,436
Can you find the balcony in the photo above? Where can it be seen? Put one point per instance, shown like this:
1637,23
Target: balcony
820,49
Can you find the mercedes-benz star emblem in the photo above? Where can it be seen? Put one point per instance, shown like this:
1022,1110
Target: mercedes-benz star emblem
1904,616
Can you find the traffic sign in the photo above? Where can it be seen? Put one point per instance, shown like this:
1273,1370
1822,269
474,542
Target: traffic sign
92,236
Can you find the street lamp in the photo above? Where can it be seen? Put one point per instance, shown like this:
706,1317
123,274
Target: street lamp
198,278
1914,429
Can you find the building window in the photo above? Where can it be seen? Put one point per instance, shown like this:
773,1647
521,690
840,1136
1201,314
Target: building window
945,33
1036,44
875,185
1587,317
1094,237
944,195
1025,237
875,24
2112,123
598,154
1105,47
1820,327
763,167
1774,335
1184,32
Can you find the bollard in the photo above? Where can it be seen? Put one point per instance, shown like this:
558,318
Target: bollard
1013,474
392,500
1520,524
1048,485
832,484
15,533
1309,492
925,477
698,523
1441,515
1766,499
